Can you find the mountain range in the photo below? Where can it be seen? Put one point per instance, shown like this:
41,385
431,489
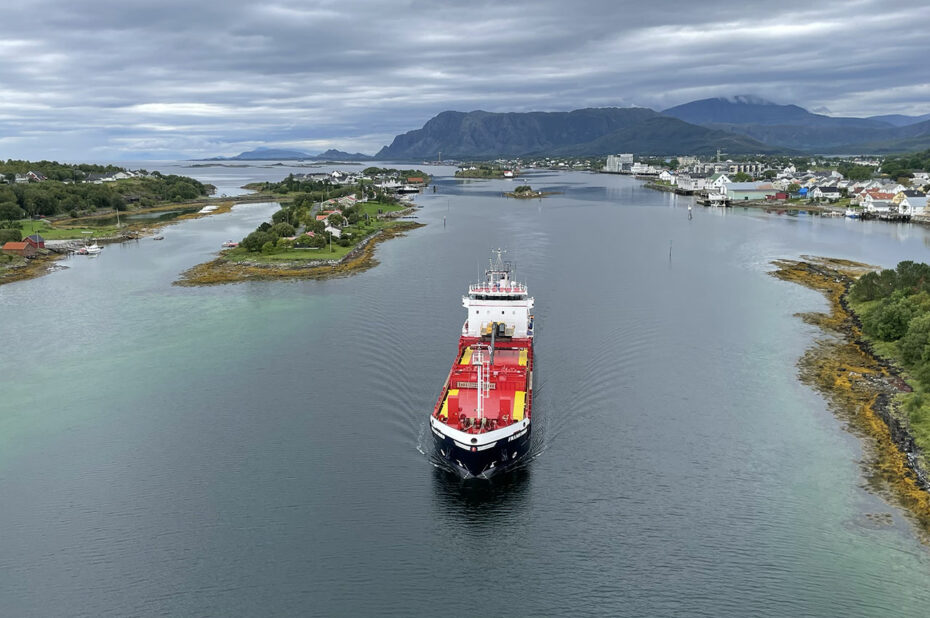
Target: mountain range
282,154
737,125
793,127
593,131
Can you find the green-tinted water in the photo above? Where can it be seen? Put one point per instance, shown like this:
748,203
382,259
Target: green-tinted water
261,448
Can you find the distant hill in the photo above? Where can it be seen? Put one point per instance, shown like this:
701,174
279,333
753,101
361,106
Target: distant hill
793,127
752,110
591,131
900,120
340,155
909,138
281,154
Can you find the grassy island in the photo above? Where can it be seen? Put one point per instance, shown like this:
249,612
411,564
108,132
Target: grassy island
525,192
320,231
874,368
485,170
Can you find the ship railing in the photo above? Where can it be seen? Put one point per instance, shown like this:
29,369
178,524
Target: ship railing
482,288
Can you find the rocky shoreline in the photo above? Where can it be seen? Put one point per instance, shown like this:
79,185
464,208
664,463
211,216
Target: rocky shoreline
361,258
59,248
861,387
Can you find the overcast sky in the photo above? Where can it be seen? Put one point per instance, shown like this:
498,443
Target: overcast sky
108,80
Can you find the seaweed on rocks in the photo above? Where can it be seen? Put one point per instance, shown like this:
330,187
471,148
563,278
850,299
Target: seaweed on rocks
860,387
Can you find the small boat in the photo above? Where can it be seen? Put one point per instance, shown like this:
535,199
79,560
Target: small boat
93,249
852,214
158,237
229,244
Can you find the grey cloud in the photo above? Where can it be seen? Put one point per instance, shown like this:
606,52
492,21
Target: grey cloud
115,79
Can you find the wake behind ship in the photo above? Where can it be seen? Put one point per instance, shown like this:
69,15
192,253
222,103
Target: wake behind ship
481,422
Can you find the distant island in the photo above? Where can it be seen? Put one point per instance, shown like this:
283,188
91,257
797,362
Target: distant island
282,154
525,192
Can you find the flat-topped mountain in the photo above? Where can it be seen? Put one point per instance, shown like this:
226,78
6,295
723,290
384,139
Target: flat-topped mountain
592,131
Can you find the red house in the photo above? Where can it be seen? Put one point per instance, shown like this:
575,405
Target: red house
19,248
36,241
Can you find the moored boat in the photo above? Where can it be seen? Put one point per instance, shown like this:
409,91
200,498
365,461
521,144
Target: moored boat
93,249
481,421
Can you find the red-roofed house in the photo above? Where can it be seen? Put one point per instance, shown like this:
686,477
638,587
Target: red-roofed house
35,240
876,196
19,248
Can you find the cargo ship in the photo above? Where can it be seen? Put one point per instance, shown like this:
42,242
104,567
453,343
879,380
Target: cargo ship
481,422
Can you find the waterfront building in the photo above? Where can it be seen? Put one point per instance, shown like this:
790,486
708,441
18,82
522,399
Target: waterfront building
617,164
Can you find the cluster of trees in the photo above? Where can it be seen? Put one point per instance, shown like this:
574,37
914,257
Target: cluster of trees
904,166
53,170
902,314
51,197
851,171
297,217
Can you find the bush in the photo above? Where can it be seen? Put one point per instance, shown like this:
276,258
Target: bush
282,229
256,240
872,286
915,344
268,247
10,236
889,320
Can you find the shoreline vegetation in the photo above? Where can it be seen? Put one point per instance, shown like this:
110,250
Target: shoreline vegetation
525,192
354,218
223,270
864,380
321,231
15,268
486,170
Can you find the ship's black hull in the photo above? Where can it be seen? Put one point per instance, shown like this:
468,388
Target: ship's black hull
504,455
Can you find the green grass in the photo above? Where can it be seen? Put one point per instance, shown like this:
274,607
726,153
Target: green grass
337,252
371,208
291,255
49,232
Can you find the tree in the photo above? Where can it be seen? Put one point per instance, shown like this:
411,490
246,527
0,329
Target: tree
282,229
9,211
257,239
268,247
741,177
889,321
769,174
915,344
10,236
335,219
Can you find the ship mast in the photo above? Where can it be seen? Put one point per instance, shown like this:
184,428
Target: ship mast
483,382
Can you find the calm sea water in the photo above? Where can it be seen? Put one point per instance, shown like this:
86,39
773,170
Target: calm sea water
261,448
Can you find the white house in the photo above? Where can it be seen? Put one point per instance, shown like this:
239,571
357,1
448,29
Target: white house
667,176
717,181
692,182
911,202
877,206
831,194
